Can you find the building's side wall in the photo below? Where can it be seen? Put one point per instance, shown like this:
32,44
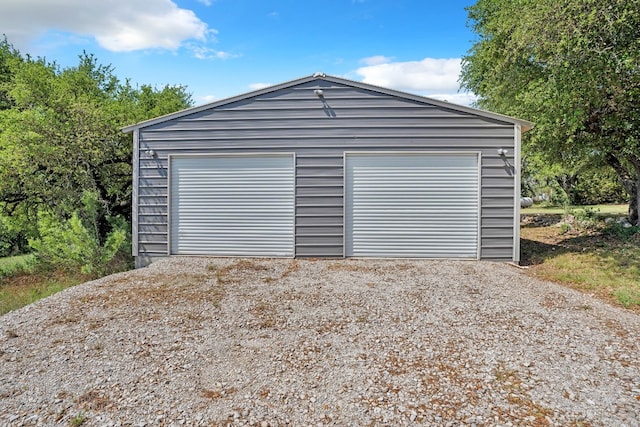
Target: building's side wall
319,131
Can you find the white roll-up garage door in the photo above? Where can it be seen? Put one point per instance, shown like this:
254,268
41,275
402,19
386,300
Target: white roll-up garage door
232,205
411,205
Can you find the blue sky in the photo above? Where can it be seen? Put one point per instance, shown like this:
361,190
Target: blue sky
221,48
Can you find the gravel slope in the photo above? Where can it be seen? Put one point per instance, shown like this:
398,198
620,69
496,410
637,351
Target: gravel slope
197,341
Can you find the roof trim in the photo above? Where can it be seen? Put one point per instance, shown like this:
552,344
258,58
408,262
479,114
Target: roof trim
526,125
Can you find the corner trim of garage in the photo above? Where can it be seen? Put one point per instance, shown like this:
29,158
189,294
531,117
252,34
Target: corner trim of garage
517,137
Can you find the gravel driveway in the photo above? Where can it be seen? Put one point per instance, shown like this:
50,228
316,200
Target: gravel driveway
209,341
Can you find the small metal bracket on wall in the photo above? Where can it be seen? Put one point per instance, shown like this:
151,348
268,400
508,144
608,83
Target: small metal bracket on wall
325,105
502,152
154,156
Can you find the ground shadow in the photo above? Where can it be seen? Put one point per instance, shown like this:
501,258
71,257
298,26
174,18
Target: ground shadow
534,252
535,221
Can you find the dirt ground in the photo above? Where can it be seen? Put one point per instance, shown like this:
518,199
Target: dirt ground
547,237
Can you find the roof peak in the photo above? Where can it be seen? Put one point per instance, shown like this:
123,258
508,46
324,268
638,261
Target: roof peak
320,75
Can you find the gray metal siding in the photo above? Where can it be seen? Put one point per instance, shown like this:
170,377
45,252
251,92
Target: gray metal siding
319,131
319,204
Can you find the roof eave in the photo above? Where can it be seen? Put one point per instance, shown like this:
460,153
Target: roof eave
203,107
525,125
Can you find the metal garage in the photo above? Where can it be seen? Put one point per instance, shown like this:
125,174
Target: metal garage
423,205
327,167
234,205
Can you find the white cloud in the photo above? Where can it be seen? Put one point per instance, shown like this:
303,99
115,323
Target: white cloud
430,74
434,77
117,25
206,2
203,52
463,98
257,86
206,99
375,60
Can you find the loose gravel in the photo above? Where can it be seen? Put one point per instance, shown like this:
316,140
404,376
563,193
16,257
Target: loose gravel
214,342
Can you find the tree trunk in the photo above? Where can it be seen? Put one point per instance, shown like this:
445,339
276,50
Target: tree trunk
567,182
634,203
634,200
631,185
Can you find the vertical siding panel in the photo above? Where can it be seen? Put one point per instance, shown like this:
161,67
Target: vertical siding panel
319,188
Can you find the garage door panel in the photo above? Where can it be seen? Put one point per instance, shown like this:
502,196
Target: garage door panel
399,161
412,205
232,205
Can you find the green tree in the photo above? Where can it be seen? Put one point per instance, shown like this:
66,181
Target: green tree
60,135
572,67
7,55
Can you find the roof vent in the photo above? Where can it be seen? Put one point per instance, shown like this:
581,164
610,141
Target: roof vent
319,74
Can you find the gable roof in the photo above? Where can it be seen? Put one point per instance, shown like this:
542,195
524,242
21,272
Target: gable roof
321,76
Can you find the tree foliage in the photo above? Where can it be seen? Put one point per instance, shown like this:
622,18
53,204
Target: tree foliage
60,135
75,244
572,67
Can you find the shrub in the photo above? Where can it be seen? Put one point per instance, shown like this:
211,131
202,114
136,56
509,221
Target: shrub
585,218
5,242
75,243
622,231
13,239
17,265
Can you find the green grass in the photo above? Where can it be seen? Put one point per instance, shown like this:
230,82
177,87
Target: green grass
15,260
555,210
603,260
18,291
10,266
23,282
25,279
78,420
598,272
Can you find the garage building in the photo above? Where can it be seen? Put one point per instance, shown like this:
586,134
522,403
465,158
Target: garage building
327,167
